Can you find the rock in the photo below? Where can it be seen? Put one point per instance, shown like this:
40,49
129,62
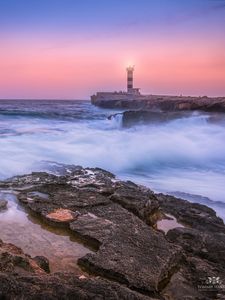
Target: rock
22,277
3,204
129,252
43,263
132,259
61,215
111,222
138,200
204,245
134,117
180,288
158,103
193,215
93,229
63,287
13,260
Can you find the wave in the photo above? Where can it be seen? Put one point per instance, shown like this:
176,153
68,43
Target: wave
185,154
47,115
56,110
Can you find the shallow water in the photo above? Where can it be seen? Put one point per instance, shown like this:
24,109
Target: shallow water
37,238
168,223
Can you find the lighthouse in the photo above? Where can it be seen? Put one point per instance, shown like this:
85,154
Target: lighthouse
130,72
130,78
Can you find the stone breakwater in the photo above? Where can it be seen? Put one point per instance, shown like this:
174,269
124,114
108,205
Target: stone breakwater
133,259
157,102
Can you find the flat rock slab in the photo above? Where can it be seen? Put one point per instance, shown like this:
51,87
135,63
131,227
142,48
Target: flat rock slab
136,199
129,250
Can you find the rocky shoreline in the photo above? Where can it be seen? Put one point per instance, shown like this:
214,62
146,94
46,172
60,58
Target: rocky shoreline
159,103
132,258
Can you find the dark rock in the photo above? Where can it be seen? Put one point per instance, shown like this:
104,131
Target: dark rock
194,215
43,263
63,287
158,103
93,229
205,245
13,260
180,288
131,118
118,219
138,200
3,204
130,252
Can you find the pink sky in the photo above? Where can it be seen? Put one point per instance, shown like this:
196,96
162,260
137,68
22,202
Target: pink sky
62,68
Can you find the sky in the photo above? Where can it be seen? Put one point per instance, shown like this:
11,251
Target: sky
69,49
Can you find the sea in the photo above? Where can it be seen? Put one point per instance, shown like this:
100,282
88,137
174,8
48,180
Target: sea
183,157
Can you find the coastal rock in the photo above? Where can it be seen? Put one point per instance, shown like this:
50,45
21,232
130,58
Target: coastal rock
158,102
201,244
129,252
3,204
94,229
113,225
63,286
136,199
181,288
43,263
194,215
13,260
61,215
132,259
141,117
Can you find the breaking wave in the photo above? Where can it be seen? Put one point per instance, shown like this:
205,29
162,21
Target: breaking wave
185,155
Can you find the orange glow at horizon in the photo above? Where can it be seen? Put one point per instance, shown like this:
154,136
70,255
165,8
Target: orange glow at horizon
33,69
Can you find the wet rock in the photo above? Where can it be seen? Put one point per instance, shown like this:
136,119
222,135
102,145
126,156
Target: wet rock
133,260
130,251
194,215
198,243
63,287
43,263
93,229
3,204
135,117
113,223
180,288
13,260
136,199
61,215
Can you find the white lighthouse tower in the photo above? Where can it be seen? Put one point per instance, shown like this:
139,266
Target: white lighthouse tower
130,79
